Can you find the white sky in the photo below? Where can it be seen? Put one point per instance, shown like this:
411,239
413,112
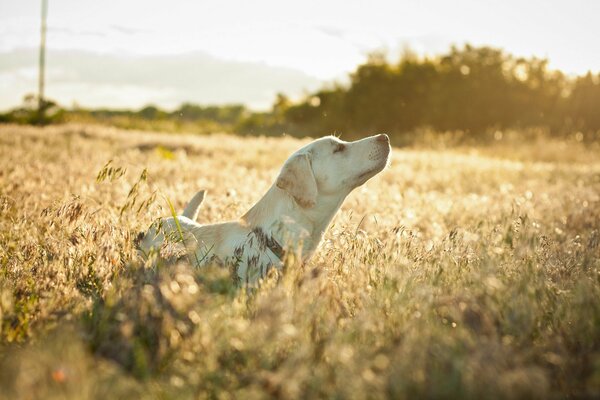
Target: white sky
324,39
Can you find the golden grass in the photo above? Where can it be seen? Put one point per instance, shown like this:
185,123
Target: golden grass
462,273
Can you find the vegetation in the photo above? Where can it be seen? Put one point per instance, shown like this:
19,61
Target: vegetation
470,89
471,272
473,90
186,118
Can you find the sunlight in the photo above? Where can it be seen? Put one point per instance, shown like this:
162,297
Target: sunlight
322,40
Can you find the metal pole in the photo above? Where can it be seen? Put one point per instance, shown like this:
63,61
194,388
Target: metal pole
41,101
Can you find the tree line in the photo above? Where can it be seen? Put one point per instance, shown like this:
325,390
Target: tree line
472,89
469,89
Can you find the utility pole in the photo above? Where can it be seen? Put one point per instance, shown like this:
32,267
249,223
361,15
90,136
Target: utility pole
41,101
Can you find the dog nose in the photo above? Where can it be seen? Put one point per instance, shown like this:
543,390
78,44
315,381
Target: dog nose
382,138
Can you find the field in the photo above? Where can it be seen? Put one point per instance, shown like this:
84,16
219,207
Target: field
463,272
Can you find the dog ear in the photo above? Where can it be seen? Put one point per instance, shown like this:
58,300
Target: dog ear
191,210
297,178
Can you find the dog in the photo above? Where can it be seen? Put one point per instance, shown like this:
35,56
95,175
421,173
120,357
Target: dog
291,217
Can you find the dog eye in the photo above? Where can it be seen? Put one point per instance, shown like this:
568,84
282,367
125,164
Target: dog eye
339,147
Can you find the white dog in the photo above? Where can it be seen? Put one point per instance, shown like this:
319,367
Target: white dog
291,217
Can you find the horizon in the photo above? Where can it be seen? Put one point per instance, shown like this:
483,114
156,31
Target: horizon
249,56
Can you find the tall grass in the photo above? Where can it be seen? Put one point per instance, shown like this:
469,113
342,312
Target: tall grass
456,273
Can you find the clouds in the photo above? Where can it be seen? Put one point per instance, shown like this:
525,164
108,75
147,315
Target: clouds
93,79
128,30
325,39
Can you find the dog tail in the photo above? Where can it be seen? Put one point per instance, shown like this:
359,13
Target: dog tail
191,210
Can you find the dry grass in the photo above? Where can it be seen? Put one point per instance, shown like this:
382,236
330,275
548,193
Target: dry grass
454,274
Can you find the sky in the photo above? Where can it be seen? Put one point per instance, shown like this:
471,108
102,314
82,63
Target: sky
130,53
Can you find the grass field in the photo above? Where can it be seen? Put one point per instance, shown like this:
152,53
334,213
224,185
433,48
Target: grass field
456,273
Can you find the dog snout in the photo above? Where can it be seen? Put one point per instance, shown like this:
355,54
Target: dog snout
383,138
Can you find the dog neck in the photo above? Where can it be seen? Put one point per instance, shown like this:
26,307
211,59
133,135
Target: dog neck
278,214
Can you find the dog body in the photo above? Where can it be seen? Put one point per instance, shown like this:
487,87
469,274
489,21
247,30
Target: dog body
291,217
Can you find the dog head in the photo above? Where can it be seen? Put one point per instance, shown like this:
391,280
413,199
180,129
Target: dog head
330,166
